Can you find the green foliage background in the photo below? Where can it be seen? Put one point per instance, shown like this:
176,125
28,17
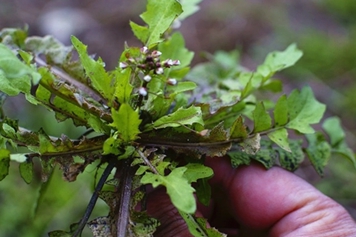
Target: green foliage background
323,30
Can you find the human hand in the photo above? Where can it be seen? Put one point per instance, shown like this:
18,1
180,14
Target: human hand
250,201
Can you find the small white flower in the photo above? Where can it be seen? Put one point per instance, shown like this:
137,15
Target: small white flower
123,65
172,81
159,71
168,62
176,62
176,24
156,54
147,78
144,50
142,91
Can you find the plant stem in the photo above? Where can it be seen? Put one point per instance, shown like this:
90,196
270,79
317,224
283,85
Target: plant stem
126,175
147,162
94,197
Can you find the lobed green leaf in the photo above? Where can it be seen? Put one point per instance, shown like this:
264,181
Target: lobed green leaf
180,117
333,129
68,102
126,121
197,171
55,51
159,16
95,70
281,111
26,170
15,76
280,137
123,87
189,8
178,188
304,110
261,118
277,61
181,87
174,48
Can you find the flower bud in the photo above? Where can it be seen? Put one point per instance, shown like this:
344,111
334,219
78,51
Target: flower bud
168,63
156,54
176,62
147,78
176,24
142,91
172,81
144,50
123,65
142,66
159,71
131,60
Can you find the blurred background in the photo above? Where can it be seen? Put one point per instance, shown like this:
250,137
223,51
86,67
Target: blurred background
324,30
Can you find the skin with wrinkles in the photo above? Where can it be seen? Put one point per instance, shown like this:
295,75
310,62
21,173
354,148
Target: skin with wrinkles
252,201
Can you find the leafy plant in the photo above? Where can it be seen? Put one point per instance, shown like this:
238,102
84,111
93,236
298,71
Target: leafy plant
155,120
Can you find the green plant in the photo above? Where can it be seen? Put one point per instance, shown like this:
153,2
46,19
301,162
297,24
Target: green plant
155,120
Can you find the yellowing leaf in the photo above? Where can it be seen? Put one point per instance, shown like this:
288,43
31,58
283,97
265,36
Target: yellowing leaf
238,129
218,133
280,137
251,145
101,226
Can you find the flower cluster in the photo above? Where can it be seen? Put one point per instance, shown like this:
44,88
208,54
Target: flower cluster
149,64
150,61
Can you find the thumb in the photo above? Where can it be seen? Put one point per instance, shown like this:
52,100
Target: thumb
276,202
160,207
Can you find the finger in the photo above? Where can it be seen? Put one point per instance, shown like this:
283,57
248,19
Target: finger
160,207
277,202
